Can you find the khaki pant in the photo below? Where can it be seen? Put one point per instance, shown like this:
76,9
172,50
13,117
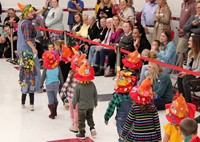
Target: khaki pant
182,46
85,114
150,35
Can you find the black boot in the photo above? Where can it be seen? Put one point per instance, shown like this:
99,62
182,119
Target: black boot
55,111
52,111
100,72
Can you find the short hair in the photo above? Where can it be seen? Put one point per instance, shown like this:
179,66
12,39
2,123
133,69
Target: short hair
188,127
157,41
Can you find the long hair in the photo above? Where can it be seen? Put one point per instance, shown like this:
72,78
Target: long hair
157,71
103,4
144,108
113,28
195,50
141,30
81,17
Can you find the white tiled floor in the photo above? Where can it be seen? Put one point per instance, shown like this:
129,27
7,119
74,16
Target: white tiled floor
22,125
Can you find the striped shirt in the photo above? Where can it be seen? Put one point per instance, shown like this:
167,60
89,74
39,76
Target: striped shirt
146,125
68,88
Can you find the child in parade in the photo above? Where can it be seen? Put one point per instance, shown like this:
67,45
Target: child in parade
67,90
189,130
143,120
121,100
175,112
54,80
85,95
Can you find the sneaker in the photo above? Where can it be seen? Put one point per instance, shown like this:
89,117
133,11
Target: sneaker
32,108
93,132
80,135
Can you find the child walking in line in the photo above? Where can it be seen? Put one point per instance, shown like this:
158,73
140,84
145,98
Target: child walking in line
27,75
120,100
54,80
67,90
51,46
189,130
143,119
85,95
176,112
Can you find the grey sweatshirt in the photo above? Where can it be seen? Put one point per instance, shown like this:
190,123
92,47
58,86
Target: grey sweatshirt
85,95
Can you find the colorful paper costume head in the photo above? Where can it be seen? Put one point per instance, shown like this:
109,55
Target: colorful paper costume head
133,60
27,61
51,59
143,94
77,61
85,72
179,109
25,8
124,82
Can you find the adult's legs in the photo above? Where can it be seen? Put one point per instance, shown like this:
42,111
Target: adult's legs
31,96
23,99
186,87
38,75
160,103
91,55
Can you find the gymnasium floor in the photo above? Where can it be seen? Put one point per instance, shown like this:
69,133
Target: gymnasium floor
22,125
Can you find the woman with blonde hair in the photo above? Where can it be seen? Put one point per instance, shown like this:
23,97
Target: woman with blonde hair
162,86
162,18
105,9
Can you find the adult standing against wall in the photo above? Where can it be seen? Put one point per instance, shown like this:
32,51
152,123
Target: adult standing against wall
74,6
54,20
187,10
162,18
126,13
26,38
147,18
192,26
105,10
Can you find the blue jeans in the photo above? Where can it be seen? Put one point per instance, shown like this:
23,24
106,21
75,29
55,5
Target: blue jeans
52,90
92,55
103,53
120,120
